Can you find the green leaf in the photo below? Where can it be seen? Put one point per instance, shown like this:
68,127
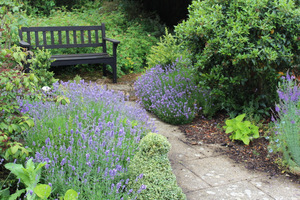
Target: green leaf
240,117
246,140
4,194
43,191
229,129
71,195
16,195
14,149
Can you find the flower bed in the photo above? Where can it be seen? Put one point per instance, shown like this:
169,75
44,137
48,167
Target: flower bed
88,143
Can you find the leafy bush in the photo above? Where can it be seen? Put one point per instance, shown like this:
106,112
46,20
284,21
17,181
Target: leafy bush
240,46
167,51
241,130
89,141
286,138
152,161
169,93
40,65
11,17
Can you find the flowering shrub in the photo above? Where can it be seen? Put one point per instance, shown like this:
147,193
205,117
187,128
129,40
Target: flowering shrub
169,93
286,138
87,143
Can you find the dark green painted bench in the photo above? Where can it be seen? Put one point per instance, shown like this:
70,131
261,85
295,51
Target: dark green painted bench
72,37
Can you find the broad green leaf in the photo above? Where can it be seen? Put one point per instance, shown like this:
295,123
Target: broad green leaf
229,129
15,127
43,191
4,194
247,123
16,195
71,195
246,140
240,117
14,149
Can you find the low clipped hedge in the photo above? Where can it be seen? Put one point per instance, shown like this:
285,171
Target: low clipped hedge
152,161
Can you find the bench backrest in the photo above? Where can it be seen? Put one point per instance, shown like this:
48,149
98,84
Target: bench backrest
64,36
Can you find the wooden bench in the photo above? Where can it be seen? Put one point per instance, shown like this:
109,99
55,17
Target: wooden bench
57,37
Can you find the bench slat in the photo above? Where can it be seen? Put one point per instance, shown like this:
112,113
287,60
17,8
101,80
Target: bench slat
61,28
67,37
37,43
59,38
56,46
96,36
89,36
52,37
74,37
28,37
82,36
44,38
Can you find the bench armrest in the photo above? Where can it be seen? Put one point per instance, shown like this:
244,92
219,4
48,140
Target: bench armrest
24,44
112,40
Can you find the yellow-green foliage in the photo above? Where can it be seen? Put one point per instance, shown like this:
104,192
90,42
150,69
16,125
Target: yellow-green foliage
152,161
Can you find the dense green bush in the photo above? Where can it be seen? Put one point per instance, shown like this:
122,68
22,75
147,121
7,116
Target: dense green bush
239,46
167,51
45,7
11,18
152,161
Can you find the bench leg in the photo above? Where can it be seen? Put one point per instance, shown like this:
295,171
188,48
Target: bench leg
104,70
114,68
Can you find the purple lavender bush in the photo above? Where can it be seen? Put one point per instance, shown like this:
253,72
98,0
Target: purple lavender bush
88,143
170,93
286,139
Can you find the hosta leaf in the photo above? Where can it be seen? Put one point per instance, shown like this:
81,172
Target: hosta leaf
71,195
240,117
43,191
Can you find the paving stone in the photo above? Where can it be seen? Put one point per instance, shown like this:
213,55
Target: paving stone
182,152
279,188
242,190
188,180
218,170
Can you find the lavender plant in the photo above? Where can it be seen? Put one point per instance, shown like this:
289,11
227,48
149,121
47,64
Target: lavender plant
170,93
88,143
286,138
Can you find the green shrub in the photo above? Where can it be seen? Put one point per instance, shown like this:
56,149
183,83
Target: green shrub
239,47
152,161
167,51
40,65
11,17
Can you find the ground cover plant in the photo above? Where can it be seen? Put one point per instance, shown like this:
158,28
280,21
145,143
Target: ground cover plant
170,93
89,141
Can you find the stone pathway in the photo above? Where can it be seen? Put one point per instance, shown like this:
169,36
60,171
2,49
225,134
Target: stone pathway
203,172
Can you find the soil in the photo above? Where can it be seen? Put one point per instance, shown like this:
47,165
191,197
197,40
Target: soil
255,156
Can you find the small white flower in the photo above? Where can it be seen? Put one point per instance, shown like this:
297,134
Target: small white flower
46,88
